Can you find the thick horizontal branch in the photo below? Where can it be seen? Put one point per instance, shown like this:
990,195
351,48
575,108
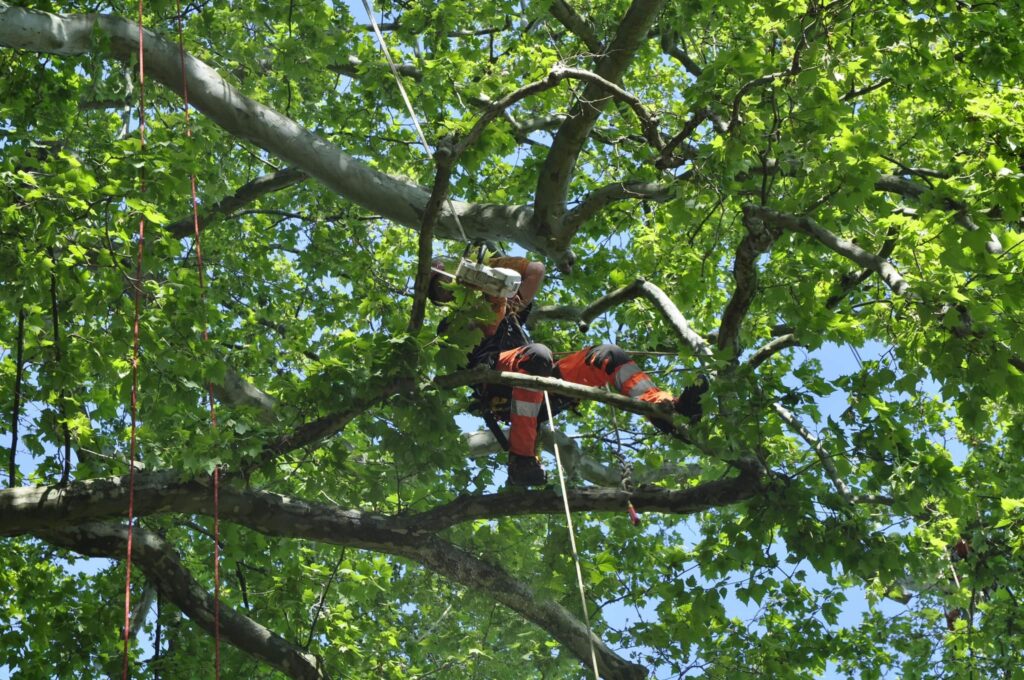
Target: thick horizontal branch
394,198
40,509
163,568
48,510
548,501
43,510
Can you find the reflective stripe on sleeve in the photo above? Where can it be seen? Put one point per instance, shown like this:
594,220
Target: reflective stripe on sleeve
624,373
641,387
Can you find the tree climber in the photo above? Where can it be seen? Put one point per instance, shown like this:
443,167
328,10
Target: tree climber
505,347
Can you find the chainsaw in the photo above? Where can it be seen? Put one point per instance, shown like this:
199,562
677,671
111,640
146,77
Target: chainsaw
492,281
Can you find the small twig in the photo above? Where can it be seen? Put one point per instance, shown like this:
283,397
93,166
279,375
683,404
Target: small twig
853,94
19,368
322,599
815,443
65,474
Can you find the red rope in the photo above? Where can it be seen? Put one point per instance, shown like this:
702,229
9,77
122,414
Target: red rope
135,369
209,385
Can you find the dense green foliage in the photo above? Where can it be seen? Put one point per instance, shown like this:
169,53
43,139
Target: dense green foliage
896,126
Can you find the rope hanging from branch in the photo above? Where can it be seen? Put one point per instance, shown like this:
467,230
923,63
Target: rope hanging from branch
572,540
408,104
127,630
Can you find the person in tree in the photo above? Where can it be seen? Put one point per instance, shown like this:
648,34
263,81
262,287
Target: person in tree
505,347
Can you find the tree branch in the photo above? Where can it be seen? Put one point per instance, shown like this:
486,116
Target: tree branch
463,567
815,443
352,65
670,46
391,197
484,375
246,194
164,569
758,240
666,159
867,89
329,425
639,288
850,283
549,501
556,173
577,25
446,156
772,347
847,249
599,199
237,391
648,122
39,510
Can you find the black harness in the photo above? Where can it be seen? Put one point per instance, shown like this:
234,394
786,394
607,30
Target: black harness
493,402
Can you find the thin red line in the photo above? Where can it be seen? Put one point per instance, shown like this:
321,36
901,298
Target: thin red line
213,412
216,569
135,368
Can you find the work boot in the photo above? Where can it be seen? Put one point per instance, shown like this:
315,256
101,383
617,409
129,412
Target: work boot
688,402
525,471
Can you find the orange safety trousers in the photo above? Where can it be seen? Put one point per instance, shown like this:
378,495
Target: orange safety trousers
595,367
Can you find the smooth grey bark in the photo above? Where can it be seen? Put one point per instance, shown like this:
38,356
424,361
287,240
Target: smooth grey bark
639,288
394,198
848,249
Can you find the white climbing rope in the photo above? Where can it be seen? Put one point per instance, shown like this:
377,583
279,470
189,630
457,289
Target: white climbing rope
558,458
572,540
408,104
